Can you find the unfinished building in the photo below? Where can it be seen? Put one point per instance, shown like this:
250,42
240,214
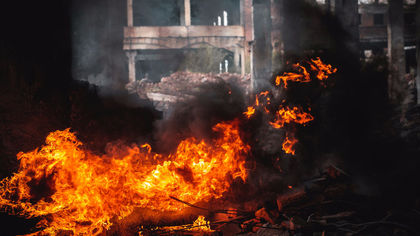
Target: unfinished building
160,34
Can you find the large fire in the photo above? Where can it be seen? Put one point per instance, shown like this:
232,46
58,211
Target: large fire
88,191
72,189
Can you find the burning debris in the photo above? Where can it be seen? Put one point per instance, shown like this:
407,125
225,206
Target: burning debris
291,115
199,226
87,191
73,190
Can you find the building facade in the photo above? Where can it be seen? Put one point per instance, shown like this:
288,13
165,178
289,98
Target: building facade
159,33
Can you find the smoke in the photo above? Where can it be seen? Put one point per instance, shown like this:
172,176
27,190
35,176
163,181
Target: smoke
97,42
355,126
215,102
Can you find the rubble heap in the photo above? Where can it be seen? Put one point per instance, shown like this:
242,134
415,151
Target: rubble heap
182,85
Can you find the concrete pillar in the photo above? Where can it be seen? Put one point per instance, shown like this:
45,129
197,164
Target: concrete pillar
243,61
236,57
262,50
131,65
241,12
347,11
396,53
276,34
187,12
182,11
130,13
291,28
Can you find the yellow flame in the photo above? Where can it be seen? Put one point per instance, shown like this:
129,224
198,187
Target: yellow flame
88,190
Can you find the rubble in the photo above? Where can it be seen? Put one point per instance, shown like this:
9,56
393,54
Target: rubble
182,85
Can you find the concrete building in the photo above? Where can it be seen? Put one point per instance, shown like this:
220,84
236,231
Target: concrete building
160,32
374,29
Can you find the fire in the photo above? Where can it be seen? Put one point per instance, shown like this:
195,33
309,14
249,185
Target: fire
324,70
303,76
250,111
89,191
314,68
287,115
261,99
200,225
288,145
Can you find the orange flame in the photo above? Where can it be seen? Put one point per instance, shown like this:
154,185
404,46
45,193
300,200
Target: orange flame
88,191
200,225
258,102
250,111
287,115
324,70
303,76
288,145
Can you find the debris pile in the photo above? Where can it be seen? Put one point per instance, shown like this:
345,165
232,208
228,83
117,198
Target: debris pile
323,205
182,85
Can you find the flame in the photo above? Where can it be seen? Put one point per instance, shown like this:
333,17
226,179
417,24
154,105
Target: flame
287,115
88,191
324,70
288,145
303,76
250,111
259,102
200,225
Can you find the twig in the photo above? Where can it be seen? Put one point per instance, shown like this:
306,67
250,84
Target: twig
234,212
189,204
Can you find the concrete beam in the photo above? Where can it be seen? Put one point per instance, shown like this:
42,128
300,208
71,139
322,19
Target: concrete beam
183,31
181,43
